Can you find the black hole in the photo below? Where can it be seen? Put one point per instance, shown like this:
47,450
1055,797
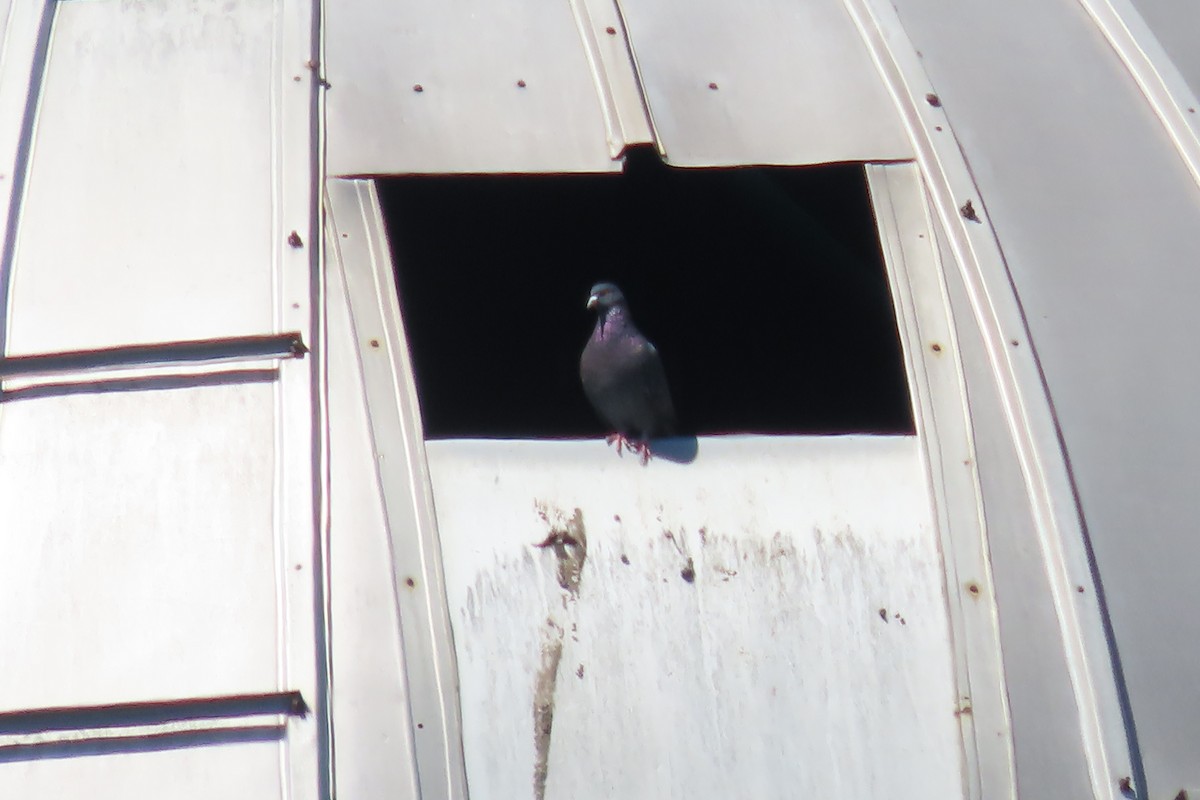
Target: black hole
764,290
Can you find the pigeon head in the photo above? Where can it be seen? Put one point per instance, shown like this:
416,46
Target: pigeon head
605,296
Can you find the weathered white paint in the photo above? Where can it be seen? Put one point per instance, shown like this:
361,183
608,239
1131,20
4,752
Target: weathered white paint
762,82
765,670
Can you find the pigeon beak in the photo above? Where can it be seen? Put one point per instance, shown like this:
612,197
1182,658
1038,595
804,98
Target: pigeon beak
592,302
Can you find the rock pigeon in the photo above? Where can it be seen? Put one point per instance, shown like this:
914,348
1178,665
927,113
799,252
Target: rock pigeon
623,376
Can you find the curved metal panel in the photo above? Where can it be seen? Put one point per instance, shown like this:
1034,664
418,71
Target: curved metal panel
1050,759
376,752
133,228
408,535
426,86
761,82
767,620
1097,217
139,561
1176,25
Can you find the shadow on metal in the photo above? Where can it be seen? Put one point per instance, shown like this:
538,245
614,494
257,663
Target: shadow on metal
151,712
144,384
234,348
679,449
149,743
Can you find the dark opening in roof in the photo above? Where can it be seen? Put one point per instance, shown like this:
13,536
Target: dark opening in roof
763,288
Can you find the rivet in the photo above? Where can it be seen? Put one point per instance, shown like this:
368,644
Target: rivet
973,588
610,30
933,100
935,347
418,88
521,84
713,86
1079,589
295,305
294,240
409,582
1014,343
968,211
374,343
420,726
937,127
296,78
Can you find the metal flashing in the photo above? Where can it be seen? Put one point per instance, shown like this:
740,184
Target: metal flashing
363,259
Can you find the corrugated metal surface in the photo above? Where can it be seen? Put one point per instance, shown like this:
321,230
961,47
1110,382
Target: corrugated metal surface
763,82
471,113
1100,249
710,629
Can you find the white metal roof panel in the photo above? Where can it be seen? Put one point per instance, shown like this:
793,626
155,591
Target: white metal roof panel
1176,25
1096,214
139,132
1046,739
761,82
426,86
139,556
768,618
240,772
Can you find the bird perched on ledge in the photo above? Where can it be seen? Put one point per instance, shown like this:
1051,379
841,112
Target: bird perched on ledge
623,376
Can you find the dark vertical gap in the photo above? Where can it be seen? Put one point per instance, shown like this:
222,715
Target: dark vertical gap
763,288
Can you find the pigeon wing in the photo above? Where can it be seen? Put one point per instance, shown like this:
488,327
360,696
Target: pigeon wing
655,413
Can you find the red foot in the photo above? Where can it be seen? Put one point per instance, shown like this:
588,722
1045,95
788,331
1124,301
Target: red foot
621,440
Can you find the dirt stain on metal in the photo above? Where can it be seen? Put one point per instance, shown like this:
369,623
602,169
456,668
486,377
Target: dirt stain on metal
567,539
543,710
